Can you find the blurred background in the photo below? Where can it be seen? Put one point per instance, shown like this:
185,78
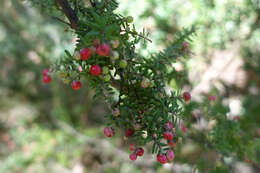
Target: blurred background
54,129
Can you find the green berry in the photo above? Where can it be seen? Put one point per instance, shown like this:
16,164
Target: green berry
105,70
76,55
123,64
107,78
114,55
129,19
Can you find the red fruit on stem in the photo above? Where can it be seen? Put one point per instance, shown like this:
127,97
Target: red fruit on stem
95,70
76,85
186,96
129,132
45,72
168,135
133,156
170,155
161,158
46,79
85,54
103,49
132,147
109,131
140,152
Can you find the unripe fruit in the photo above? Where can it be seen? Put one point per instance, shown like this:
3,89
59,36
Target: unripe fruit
129,132
132,147
46,79
76,55
186,96
45,72
109,131
140,152
185,46
161,158
115,43
129,19
107,78
133,156
85,54
76,85
103,49
145,83
92,49
105,70
95,70
114,55
144,135
123,64
168,135
170,155
80,69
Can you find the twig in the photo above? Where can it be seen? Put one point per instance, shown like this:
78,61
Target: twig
62,21
69,12
134,33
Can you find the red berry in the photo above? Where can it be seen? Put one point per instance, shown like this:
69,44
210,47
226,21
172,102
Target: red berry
169,125
171,143
186,96
170,155
132,147
212,98
237,118
103,49
129,132
46,79
85,54
76,85
95,70
161,158
45,72
140,152
184,129
168,135
109,131
133,156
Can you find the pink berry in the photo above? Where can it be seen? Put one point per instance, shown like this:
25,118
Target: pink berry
140,152
95,70
212,98
129,132
169,125
133,156
186,96
45,72
184,129
103,49
132,147
76,85
85,54
168,135
161,158
46,79
170,155
109,131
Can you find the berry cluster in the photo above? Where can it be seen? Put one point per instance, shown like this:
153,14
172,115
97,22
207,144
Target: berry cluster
105,55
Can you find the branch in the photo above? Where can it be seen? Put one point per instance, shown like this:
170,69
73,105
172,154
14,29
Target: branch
69,12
